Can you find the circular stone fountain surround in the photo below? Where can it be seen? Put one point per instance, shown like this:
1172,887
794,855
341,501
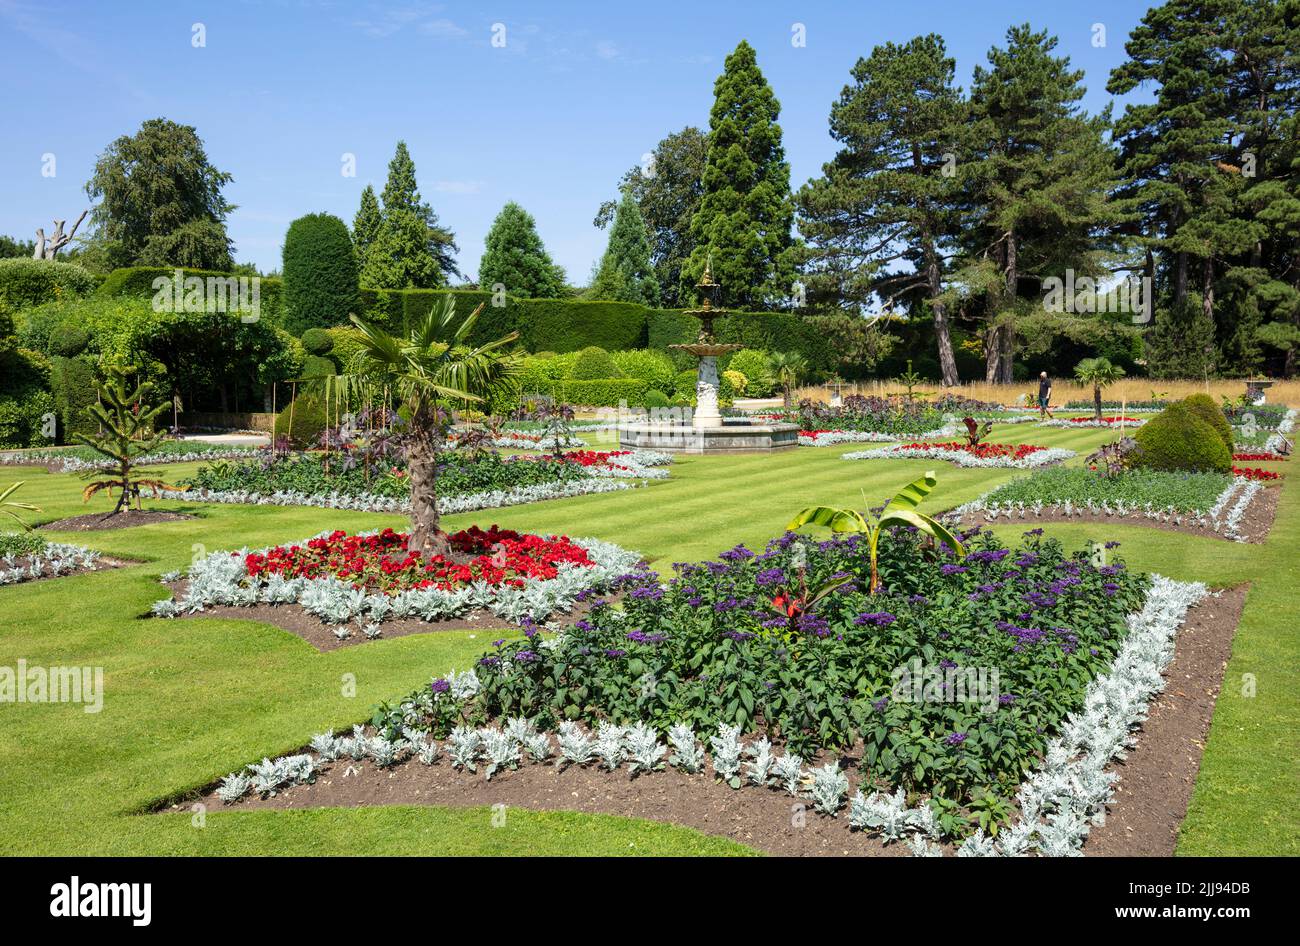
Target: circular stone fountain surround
705,430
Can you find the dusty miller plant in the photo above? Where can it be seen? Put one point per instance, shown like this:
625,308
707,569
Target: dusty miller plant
688,754
726,754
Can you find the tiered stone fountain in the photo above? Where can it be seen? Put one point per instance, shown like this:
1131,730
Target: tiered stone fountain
705,430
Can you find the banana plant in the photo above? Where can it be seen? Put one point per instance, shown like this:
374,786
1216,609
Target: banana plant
900,511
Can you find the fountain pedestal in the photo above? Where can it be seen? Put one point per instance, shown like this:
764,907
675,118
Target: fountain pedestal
706,430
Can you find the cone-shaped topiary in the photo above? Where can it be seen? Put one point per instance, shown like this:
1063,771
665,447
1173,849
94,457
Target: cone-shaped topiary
1203,406
1178,439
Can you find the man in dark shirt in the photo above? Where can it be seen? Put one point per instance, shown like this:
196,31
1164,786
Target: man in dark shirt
1044,395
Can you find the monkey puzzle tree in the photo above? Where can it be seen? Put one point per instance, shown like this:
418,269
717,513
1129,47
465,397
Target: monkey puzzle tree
126,432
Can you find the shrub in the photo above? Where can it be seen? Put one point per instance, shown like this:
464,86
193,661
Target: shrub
74,392
1178,439
345,345
31,282
655,398
139,281
757,369
684,386
320,274
25,397
69,340
736,381
652,366
317,341
594,364
302,421
604,392
1203,406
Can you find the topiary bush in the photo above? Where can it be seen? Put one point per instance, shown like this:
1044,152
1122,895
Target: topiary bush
74,391
1177,439
302,421
320,274
345,345
31,282
594,364
652,366
655,398
684,386
736,380
1203,406
317,341
603,392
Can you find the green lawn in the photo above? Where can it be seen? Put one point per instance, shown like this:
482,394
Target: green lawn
187,701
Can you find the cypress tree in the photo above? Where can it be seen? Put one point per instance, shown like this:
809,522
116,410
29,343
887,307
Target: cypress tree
515,257
886,191
625,273
746,212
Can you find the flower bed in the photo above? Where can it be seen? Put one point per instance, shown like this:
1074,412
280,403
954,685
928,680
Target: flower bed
1018,456
466,482
80,459
1105,422
371,578
827,438
1212,501
896,416
25,556
1084,659
1141,407
1260,457
1255,473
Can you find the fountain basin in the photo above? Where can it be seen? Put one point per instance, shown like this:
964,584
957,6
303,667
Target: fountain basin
733,435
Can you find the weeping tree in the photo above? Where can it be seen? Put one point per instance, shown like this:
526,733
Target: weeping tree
125,433
434,370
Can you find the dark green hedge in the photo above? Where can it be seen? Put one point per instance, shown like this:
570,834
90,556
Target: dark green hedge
767,331
605,392
138,281
74,392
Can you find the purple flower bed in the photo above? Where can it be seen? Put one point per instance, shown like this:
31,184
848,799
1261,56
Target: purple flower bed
950,681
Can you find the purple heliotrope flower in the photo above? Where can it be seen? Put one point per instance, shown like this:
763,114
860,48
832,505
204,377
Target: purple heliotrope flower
526,657
615,652
440,686
875,618
812,624
955,739
770,576
951,569
641,637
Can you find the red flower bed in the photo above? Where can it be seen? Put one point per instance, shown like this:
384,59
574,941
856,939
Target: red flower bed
1105,420
985,451
380,561
1257,457
1255,473
599,458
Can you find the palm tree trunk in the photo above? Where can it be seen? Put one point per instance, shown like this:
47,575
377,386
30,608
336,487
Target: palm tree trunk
1096,399
426,537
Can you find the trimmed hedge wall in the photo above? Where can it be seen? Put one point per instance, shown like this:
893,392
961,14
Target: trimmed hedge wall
138,281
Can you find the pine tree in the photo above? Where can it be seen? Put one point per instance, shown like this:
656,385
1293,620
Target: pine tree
878,221
411,250
1039,180
667,189
743,224
625,273
1179,159
515,257
367,223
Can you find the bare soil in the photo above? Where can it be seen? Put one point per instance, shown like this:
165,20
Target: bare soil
99,521
1155,787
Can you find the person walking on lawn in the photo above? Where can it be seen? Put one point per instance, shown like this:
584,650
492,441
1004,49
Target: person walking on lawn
1044,395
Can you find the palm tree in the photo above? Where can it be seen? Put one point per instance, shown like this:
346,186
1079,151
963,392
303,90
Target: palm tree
7,505
1098,372
788,369
432,370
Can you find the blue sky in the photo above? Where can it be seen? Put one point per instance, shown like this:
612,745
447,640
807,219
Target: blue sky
283,88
